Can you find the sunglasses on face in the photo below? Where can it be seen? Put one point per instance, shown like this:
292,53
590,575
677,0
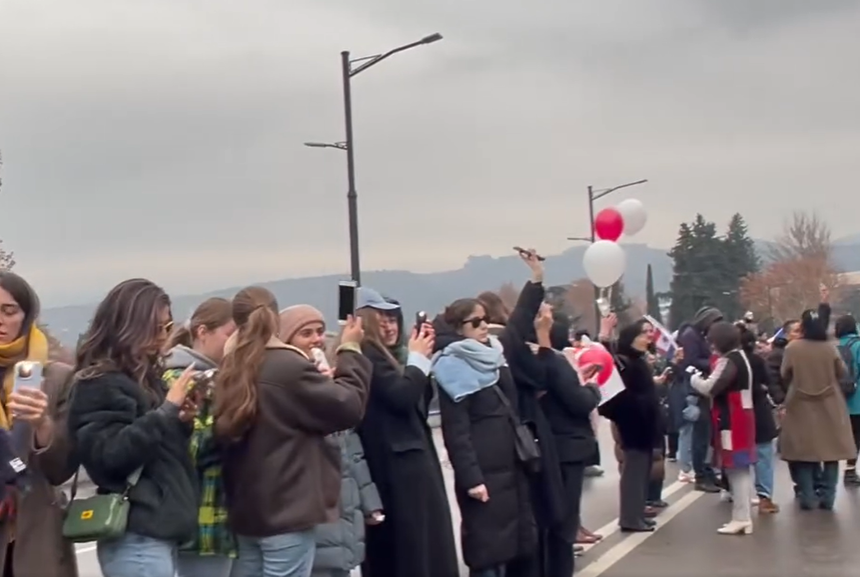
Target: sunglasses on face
167,327
477,322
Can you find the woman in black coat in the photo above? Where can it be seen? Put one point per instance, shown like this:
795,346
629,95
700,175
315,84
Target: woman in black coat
567,405
478,403
416,539
635,412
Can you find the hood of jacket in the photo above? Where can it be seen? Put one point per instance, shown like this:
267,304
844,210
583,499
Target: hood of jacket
445,334
626,338
181,357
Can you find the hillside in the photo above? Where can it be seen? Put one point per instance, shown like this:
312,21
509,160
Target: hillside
429,292
433,291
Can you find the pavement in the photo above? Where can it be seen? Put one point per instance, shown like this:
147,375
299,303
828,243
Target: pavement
791,543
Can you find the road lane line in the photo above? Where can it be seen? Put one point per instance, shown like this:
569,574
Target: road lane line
617,552
612,527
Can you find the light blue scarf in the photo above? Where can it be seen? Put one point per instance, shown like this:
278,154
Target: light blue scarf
468,366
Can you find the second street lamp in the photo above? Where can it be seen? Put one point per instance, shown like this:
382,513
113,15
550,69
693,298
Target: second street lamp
349,68
594,195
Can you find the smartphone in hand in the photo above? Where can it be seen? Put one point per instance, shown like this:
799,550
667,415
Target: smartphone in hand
420,321
28,374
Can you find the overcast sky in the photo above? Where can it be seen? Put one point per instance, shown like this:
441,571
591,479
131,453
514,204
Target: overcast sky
164,138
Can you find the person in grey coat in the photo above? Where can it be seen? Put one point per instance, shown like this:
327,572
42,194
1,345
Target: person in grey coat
340,545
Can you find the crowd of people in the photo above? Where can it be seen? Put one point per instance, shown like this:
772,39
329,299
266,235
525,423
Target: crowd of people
237,443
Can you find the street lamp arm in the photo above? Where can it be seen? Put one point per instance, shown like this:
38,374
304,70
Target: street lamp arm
603,193
369,61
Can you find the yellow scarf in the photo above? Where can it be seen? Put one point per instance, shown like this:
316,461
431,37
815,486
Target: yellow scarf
31,347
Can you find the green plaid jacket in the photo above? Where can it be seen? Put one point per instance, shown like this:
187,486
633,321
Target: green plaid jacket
213,535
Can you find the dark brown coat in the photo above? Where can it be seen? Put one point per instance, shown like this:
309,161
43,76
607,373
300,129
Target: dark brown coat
816,427
40,550
284,476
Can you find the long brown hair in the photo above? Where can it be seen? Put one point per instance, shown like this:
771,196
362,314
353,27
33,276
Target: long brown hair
255,311
211,314
373,333
122,332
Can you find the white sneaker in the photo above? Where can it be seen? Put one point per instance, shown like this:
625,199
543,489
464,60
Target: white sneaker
686,477
725,496
755,501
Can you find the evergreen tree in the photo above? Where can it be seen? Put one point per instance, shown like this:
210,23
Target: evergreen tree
739,260
620,304
699,270
682,306
652,302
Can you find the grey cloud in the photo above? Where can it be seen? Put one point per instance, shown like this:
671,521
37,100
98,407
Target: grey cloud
164,139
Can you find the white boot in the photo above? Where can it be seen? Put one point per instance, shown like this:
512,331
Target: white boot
736,528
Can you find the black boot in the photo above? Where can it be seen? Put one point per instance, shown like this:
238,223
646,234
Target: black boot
707,486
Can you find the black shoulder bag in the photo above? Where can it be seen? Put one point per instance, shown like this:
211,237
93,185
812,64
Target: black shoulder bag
528,452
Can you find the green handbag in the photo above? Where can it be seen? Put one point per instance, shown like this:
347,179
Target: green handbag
100,517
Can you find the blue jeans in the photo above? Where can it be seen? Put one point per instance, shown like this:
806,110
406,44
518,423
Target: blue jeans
685,447
134,555
194,565
816,484
287,555
764,470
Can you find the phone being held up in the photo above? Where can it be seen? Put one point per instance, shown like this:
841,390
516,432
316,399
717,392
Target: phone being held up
526,253
346,300
420,321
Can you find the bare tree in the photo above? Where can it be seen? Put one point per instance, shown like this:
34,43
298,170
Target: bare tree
805,236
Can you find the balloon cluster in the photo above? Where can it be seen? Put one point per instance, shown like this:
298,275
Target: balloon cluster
604,261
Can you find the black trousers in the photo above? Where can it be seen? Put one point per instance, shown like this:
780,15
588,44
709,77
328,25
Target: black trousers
557,542
635,475
673,444
855,428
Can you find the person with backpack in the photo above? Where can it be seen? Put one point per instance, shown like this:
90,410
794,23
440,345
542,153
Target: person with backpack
849,350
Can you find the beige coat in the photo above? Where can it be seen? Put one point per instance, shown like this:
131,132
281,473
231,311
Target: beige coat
40,550
816,427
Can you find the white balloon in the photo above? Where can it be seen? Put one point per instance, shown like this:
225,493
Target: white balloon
604,262
634,215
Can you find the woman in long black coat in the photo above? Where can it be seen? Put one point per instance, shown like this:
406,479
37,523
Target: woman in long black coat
567,405
416,539
635,413
478,403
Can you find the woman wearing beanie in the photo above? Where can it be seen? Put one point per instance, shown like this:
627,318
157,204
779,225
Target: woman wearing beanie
340,544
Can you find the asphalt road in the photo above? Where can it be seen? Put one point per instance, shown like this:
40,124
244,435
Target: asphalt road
789,544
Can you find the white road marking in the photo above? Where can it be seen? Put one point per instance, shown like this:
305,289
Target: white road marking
617,552
612,527
607,530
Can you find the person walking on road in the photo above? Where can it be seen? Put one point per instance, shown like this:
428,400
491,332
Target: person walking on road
849,345
816,429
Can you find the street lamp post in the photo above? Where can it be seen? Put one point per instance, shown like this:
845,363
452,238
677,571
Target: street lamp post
349,68
594,195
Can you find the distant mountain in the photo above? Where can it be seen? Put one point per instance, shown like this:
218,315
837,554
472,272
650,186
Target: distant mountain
433,291
430,292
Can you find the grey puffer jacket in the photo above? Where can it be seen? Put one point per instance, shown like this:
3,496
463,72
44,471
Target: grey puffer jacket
340,545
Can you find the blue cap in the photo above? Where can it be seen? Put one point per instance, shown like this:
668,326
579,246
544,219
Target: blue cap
368,298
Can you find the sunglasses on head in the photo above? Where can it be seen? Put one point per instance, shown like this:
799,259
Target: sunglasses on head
476,322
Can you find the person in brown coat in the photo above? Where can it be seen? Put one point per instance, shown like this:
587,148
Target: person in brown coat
273,409
31,523
816,428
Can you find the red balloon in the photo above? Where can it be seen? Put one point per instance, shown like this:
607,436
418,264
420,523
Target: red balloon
609,224
597,355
